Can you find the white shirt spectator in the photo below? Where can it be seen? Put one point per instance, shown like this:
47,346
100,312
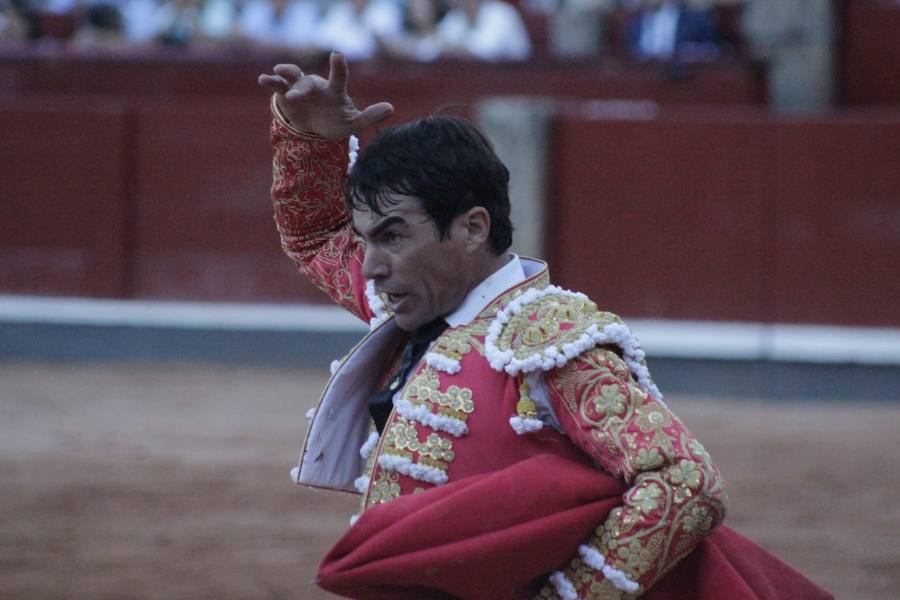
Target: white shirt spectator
353,27
497,32
218,18
658,28
296,28
144,19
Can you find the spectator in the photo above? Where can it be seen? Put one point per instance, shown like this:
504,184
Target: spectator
218,20
13,24
420,39
179,20
102,26
668,29
280,23
357,28
577,28
143,20
489,30
191,21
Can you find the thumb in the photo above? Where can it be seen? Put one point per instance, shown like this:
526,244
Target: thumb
374,114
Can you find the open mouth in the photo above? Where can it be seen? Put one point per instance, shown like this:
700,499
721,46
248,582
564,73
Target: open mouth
394,299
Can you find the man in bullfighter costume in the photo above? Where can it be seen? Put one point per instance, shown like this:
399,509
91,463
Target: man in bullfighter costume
505,434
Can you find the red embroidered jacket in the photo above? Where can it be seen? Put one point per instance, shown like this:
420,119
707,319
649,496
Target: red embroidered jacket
461,415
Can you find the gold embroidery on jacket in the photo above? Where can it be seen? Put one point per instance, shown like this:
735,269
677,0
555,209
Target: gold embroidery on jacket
402,439
424,389
308,174
676,495
551,322
456,343
385,488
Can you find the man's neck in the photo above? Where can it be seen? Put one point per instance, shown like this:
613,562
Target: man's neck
488,286
491,266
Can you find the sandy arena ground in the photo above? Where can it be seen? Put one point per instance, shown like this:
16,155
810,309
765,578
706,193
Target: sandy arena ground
139,482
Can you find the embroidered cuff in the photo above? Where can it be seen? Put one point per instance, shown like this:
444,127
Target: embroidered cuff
286,123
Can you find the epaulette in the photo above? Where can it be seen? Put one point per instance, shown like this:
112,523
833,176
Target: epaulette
546,328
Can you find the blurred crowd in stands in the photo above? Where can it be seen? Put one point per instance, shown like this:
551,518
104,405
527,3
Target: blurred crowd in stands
422,30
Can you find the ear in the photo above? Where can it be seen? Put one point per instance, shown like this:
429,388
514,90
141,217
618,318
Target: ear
474,226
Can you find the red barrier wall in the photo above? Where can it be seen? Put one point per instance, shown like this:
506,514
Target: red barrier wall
731,216
63,178
669,214
836,244
166,156
203,227
869,52
714,212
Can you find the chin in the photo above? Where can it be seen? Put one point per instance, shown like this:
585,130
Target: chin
405,323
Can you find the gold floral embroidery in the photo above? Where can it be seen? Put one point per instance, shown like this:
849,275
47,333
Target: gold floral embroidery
434,450
636,556
676,496
584,579
699,519
385,488
651,417
424,389
648,458
456,343
402,439
308,195
551,321
686,473
647,498
611,399
402,436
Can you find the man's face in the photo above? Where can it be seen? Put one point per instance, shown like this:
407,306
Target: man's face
423,276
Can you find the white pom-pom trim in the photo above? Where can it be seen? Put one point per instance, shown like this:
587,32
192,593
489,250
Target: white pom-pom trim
422,414
621,335
405,466
442,363
523,425
353,151
376,305
361,483
311,413
553,357
295,474
334,366
365,451
618,578
500,359
563,586
353,520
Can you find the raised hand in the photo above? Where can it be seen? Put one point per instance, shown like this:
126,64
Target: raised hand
321,106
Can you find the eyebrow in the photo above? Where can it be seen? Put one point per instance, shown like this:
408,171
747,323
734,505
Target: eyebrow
381,226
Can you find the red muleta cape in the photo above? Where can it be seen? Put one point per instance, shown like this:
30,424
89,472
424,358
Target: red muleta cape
453,542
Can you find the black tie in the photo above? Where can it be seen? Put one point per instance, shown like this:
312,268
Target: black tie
380,403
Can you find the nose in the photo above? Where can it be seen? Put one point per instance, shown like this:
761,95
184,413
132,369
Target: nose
374,265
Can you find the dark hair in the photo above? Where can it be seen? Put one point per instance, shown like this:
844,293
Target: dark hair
104,16
444,161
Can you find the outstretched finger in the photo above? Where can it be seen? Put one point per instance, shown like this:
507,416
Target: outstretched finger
290,72
275,83
337,74
372,115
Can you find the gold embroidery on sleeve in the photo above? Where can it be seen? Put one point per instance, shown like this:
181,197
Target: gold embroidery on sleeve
676,495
